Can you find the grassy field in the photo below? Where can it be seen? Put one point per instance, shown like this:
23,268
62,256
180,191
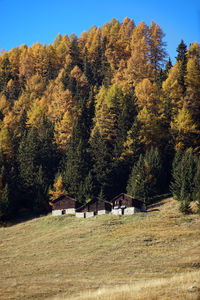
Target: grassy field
153,255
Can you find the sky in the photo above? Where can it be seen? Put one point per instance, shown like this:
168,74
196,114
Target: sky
29,21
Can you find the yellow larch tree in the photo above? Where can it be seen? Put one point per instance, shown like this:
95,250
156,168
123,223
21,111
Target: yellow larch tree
192,78
156,45
35,114
57,189
151,131
184,130
138,66
26,67
6,145
5,105
172,89
147,95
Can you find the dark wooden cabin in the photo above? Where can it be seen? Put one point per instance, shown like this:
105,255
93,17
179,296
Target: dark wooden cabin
96,205
64,204
123,201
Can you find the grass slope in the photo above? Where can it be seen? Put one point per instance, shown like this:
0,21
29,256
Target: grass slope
154,255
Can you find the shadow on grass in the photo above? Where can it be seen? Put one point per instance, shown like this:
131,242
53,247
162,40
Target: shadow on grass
155,202
21,218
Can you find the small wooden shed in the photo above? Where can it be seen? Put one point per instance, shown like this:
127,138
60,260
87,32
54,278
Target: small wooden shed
124,204
64,204
94,207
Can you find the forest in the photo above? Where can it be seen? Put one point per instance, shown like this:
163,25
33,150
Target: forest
97,115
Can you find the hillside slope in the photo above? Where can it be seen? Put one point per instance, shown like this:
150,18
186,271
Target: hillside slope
65,257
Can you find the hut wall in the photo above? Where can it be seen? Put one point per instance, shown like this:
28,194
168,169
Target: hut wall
101,205
57,212
89,214
102,212
116,211
130,210
80,214
92,207
70,211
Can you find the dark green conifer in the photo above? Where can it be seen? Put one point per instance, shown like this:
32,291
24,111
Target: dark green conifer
6,203
182,58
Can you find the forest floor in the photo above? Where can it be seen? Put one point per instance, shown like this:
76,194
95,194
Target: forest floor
153,255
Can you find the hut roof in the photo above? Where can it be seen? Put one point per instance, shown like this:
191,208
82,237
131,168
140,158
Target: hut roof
92,201
126,195
126,200
63,196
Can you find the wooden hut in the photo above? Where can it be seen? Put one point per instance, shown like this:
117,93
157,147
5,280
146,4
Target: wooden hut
64,205
94,207
124,204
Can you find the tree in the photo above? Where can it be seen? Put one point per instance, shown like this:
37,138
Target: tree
5,74
6,207
152,132
182,186
6,143
173,90
40,193
57,189
147,95
182,58
145,178
184,130
196,194
192,80
77,157
175,185
139,66
29,162
101,158
156,46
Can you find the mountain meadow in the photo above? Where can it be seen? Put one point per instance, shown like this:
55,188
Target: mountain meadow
152,255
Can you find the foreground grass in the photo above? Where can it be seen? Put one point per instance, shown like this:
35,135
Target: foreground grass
106,257
178,287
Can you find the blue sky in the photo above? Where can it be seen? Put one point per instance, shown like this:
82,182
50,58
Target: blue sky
26,22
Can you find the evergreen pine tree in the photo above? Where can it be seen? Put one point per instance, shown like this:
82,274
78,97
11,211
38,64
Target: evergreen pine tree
77,157
145,179
41,193
6,205
182,58
182,186
175,185
48,155
101,164
138,184
196,194
28,162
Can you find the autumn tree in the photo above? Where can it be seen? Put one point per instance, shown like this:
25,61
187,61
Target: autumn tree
57,189
139,66
192,80
157,51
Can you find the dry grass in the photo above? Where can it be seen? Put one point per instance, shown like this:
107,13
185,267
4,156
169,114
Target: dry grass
178,287
64,258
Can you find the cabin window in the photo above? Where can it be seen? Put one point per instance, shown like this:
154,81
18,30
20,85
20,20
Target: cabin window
63,212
